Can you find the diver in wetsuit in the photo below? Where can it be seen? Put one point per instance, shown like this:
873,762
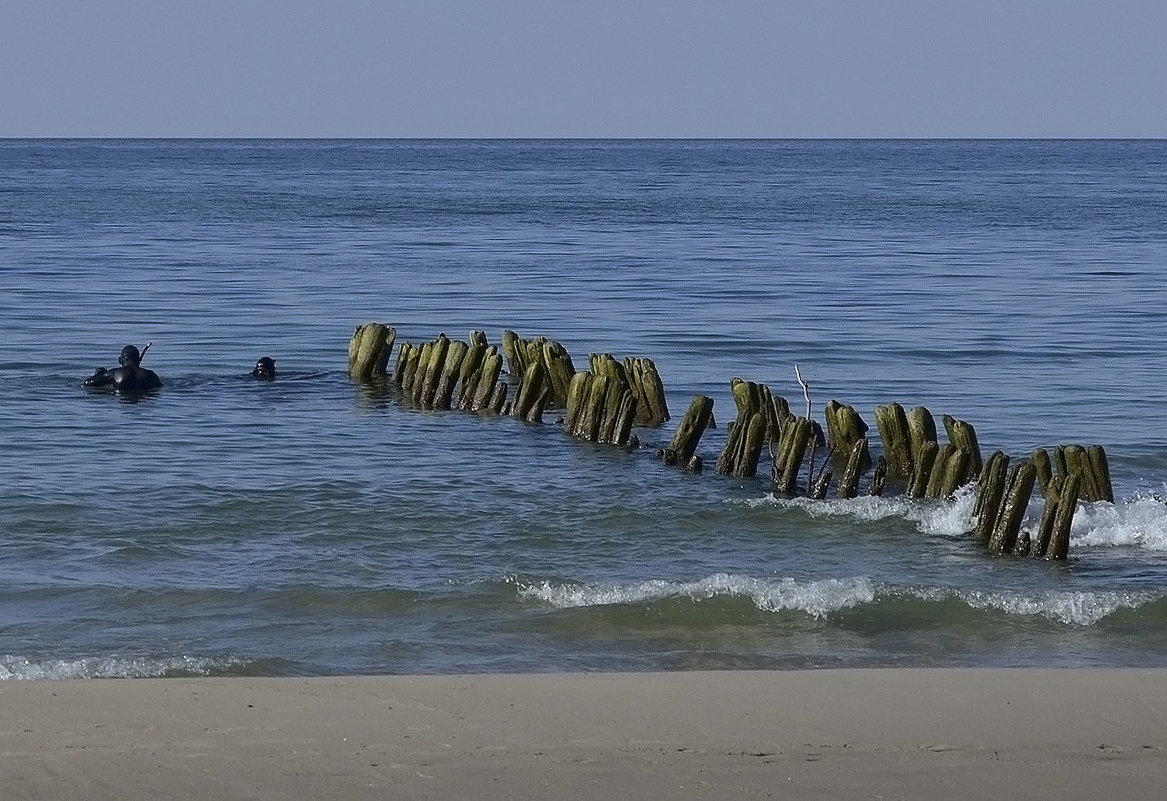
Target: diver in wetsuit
265,369
129,377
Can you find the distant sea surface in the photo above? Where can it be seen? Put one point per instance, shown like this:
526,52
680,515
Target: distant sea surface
310,526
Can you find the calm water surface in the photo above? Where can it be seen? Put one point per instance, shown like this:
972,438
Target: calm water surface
310,526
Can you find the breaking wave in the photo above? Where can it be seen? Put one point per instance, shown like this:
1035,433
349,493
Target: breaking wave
1140,522
824,597
13,668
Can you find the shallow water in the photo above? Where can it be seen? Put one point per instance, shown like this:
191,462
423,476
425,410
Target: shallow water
312,526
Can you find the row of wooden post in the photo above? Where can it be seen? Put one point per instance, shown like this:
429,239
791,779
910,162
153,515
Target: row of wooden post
604,403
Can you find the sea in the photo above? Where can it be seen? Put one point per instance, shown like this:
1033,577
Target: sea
317,526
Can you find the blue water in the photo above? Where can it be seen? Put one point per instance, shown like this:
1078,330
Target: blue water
314,526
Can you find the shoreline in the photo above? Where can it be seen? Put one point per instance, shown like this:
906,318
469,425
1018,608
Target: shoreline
954,733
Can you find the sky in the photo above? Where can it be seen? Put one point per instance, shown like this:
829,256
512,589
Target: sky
593,68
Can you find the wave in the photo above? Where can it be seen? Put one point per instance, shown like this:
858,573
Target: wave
1138,522
821,598
944,519
817,598
14,668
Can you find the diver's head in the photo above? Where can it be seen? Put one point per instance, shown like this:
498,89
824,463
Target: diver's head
264,368
130,357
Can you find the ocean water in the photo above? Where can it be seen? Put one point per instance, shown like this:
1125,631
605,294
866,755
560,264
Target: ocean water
312,526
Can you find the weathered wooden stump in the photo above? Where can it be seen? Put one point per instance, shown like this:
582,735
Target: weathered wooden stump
893,431
791,451
522,353
683,446
921,431
1043,467
964,437
1045,527
369,350
484,381
950,472
990,490
652,410
756,418
557,362
857,459
1093,469
845,430
531,395
1059,541
433,361
922,467
451,369
600,408
1100,466
1004,537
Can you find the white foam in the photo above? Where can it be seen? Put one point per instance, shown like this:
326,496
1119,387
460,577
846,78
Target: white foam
934,518
14,668
1140,523
816,598
1076,608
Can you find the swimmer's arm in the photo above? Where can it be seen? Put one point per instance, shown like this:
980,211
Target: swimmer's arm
100,378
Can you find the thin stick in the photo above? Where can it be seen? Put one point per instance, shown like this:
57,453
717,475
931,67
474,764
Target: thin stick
805,390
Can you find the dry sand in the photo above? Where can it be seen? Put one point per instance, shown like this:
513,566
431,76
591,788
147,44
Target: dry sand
919,734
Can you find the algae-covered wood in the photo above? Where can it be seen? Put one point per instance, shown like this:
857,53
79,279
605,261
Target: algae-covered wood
857,460
922,469
921,431
369,350
989,494
892,423
1008,525
691,428
1059,543
964,436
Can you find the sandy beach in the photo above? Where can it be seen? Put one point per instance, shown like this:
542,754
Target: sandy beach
926,734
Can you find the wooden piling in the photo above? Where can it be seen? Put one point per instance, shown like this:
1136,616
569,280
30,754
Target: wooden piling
413,360
1043,467
746,435
652,410
484,388
844,429
791,451
1059,543
1008,525
934,488
1100,467
857,459
425,389
922,468
1045,527
531,389
921,431
692,426
451,369
964,436
989,493
369,350
893,431
955,472
1078,461
560,371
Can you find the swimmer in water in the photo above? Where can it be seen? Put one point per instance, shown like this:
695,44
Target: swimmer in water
129,377
265,369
